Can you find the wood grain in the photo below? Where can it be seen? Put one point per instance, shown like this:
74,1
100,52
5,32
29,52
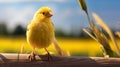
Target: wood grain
21,60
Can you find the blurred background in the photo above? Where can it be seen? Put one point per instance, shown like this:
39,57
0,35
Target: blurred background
68,20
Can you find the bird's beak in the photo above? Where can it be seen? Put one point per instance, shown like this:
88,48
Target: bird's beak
49,14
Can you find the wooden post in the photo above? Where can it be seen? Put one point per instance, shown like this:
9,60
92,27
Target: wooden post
21,60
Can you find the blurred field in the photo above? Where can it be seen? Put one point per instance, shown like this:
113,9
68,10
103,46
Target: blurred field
76,47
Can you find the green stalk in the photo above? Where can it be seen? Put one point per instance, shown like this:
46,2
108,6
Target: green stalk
83,5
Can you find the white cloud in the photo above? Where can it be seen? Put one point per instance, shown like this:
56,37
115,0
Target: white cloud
63,19
15,1
22,15
68,14
14,16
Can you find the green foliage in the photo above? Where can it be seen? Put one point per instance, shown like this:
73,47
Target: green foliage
19,30
3,29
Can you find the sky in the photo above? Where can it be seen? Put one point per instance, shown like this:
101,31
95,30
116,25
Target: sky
67,13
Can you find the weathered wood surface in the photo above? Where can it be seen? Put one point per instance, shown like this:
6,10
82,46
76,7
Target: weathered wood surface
21,60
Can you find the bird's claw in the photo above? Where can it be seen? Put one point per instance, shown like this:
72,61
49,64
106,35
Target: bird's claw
32,57
49,57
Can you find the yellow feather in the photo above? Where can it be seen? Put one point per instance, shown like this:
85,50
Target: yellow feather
40,32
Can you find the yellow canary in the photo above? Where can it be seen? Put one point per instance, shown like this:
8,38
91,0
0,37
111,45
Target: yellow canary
40,31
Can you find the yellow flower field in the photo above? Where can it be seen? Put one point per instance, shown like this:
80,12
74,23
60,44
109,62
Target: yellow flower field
76,47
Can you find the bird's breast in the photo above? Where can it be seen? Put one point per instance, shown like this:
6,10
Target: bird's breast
41,35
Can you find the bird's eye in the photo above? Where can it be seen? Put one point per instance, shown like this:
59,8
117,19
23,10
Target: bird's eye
43,13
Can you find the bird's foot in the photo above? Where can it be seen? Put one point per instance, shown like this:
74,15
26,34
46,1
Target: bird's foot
32,57
49,57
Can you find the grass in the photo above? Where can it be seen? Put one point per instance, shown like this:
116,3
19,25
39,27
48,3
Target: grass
97,33
76,47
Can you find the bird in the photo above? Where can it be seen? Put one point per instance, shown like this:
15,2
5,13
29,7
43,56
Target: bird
40,31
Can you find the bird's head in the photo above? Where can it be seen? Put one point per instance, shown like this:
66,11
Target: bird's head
43,13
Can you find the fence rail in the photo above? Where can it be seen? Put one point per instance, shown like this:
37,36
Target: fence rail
21,60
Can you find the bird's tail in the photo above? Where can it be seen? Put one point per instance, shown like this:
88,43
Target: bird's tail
59,50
